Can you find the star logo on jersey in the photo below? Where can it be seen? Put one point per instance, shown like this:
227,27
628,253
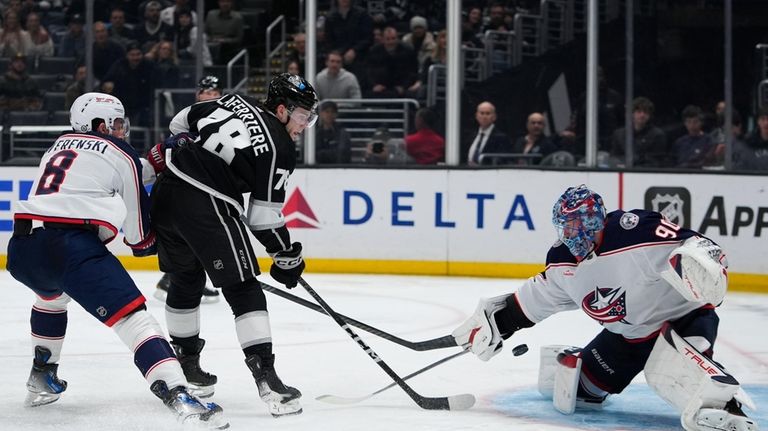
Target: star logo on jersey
606,305
298,213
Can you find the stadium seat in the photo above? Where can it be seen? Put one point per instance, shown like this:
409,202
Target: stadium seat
56,66
59,118
54,101
28,118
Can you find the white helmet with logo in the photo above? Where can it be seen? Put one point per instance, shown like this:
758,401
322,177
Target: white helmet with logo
90,106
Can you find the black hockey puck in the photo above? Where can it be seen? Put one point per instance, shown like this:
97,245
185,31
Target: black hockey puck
520,350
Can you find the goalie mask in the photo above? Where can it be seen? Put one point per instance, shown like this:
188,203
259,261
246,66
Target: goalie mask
99,106
578,217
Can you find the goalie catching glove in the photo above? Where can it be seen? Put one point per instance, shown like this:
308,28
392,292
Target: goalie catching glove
698,270
287,265
495,320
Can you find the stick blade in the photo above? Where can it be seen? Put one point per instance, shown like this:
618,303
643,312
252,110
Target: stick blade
340,401
455,402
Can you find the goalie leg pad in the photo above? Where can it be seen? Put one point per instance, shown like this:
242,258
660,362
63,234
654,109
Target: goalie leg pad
548,366
566,383
688,380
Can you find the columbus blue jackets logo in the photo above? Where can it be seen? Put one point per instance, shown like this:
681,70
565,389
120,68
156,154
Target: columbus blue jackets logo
606,305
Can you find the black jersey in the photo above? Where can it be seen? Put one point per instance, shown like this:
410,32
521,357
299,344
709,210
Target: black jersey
242,148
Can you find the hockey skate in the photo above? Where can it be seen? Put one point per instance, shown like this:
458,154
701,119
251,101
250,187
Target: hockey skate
201,383
281,400
730,418
189,410
44,385
210,295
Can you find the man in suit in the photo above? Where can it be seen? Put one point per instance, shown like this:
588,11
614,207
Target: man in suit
487,139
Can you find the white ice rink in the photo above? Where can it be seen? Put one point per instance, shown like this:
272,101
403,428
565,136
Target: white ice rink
106,392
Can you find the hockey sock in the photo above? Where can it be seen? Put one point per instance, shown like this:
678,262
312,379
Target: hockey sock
48,321
251,317
152,354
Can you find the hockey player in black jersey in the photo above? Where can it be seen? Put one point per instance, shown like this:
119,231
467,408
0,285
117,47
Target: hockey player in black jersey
200,216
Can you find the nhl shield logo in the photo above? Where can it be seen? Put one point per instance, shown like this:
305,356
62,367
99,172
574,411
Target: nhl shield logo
674,203
101,311
218,264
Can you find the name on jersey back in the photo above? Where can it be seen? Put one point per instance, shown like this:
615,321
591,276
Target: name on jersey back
79,142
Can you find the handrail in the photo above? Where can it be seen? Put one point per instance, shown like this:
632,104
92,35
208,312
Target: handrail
271,52
762,94
432,82
230,65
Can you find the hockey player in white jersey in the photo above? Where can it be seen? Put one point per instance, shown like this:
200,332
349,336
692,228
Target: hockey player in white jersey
653,286
89,186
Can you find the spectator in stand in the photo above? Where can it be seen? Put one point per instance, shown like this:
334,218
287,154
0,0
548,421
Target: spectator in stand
393,68
186,38
42,44
170,14
420,40
692,149
534,142
425,147
72,44
293,67
716,158
474,21
119,31
152,31
488,139
333,141
439,55
298,52
378,36
610,113
752,154
14,39
166,65
335,82
496,13
19,92
105,50
349,30
378,149
650,142
132,80
225,27
76,88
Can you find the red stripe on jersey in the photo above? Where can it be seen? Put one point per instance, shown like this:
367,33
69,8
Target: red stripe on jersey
125,310
558,265
650,336
70,220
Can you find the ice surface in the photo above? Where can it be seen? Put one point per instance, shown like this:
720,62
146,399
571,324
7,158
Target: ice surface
106,392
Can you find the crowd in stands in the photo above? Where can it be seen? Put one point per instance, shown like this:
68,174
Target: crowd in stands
140,46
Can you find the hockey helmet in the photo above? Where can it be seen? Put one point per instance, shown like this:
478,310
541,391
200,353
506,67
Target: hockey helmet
209,82
92,106
293,91
578,216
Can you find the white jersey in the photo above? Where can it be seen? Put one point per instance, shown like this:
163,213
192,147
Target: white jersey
91,178
618,284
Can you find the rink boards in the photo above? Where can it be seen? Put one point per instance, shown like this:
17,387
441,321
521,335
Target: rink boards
478,222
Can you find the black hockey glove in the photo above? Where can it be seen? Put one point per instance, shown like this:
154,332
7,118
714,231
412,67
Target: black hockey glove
287,266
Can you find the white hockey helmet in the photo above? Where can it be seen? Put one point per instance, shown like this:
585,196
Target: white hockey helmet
90,106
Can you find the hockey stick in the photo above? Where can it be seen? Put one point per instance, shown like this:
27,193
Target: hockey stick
333,399
435,343
455,402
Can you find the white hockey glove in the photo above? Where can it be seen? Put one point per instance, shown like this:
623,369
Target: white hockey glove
480,333
698,270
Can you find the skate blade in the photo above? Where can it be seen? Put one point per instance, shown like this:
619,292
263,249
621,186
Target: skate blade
199,421
40,399
289,408
201,391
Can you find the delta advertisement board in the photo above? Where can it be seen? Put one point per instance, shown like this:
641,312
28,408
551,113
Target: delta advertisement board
477,216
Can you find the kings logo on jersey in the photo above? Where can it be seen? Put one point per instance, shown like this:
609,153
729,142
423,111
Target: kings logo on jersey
606,305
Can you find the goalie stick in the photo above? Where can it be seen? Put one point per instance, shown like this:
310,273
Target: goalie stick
455,402
334,399
435,343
